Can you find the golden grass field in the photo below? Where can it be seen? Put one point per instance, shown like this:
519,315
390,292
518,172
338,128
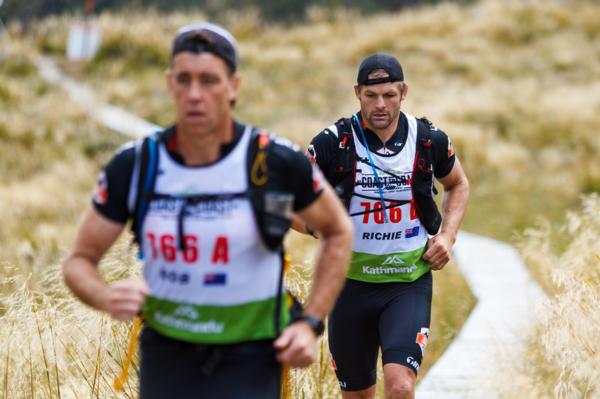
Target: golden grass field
514,83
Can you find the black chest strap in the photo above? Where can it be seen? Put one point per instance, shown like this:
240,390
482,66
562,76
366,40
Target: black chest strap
342,172
264,197
423,188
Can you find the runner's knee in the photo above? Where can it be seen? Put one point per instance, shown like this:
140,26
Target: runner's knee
400,389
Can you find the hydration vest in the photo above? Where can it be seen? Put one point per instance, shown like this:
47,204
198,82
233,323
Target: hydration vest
342,172
272,224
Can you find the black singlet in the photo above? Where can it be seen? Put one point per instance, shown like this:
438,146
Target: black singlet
324,147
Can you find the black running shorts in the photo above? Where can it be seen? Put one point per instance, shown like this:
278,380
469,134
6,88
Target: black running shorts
172,369
367,316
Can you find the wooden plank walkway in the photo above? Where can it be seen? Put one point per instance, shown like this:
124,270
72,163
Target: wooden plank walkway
506,297
110,116
506,294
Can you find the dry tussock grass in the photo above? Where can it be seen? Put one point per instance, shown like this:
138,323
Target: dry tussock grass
52,346
55,347
562,358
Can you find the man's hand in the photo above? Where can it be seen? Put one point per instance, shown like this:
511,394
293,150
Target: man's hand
438,251
297,345
123,299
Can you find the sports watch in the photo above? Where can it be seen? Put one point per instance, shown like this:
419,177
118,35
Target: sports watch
314,322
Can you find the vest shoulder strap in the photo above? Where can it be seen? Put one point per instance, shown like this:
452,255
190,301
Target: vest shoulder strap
424,140
142,182
268,202
271,227
423,187
342,170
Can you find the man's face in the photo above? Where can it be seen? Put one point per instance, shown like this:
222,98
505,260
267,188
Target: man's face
380,103
203,91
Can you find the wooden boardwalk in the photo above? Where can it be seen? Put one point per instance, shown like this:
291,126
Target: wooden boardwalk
506,297
109,116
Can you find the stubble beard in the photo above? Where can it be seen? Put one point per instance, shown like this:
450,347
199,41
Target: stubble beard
379,123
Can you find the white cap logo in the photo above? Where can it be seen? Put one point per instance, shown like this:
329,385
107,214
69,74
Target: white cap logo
219,30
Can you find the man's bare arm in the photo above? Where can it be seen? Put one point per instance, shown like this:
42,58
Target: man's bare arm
297,343
301,227
330,221
454,206
122,299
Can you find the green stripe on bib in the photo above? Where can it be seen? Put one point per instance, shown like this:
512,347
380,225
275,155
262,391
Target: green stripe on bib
215,324
394,267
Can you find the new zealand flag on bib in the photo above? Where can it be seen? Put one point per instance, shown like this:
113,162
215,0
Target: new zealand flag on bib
215,279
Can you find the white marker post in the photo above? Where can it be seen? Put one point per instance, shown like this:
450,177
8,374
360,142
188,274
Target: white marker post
84,40
84,37
3,37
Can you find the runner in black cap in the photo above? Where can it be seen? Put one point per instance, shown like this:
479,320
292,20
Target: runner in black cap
381,162
210,200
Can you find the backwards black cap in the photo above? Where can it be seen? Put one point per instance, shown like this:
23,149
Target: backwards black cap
207,37
384,61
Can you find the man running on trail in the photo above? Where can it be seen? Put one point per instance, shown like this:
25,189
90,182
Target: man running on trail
381,162
210,200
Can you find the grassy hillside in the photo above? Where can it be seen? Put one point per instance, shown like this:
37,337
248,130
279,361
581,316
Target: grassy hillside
49,153
514,83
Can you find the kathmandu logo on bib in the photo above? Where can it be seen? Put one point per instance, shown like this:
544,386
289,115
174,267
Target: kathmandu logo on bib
393,260
187,312
205,327
388,270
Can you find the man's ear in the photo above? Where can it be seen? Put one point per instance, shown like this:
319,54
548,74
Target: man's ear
357,91
168,79
404,92
235,87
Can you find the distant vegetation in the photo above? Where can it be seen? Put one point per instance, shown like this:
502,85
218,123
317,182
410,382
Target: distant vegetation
271,10
516,85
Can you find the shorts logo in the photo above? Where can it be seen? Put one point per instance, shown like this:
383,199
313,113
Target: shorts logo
422,338
393,260
413,363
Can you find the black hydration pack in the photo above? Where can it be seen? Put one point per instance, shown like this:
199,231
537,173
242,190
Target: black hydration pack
342,172
272,219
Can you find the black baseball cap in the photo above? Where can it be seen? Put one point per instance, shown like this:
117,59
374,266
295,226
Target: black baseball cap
207,37
384,61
